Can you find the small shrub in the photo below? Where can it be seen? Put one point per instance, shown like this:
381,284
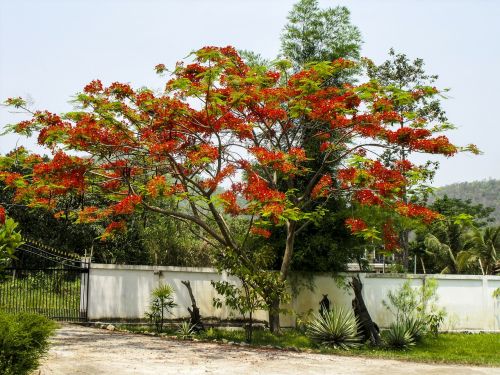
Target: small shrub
23,340
417,306
399,335
338,328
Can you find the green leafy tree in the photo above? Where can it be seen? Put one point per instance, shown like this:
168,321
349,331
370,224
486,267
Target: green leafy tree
315,34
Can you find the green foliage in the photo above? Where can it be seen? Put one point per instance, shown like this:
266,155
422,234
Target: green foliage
23,340
416,310
167,241
10,240
162,303
338,329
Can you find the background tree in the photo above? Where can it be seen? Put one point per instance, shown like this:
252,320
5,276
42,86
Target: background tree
438,245
315,34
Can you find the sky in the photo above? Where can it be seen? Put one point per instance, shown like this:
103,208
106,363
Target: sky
49,50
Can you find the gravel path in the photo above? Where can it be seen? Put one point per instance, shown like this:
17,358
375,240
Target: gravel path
82,350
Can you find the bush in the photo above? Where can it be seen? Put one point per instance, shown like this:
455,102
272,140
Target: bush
23,340
338,328
417,307
399,335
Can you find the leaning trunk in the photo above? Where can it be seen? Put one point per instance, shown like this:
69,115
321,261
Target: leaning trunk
367,327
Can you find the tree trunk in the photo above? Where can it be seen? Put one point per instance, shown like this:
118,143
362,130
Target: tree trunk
405,247
367,326
195,320
274,315
274,306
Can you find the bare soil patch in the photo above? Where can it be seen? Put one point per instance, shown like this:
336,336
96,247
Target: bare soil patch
81,350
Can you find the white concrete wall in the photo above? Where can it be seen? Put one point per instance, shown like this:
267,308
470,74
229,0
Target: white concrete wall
123,292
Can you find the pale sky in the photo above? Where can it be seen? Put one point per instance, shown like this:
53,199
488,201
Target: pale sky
50,49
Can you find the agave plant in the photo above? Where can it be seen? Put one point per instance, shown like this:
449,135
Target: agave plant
185,330
416,327
337,328
399,335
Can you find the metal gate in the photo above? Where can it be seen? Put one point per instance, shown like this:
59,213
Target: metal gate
45,281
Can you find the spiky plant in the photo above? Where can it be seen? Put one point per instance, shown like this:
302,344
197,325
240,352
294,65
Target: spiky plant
415,327
338,329
399,336
185,330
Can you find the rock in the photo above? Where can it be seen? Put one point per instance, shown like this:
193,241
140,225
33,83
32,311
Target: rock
224,341
110,327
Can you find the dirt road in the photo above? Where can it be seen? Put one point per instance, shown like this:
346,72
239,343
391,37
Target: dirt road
81,350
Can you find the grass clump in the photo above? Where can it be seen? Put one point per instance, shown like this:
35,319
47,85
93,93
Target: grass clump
23,340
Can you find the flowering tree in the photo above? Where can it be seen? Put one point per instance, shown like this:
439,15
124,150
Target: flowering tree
224,139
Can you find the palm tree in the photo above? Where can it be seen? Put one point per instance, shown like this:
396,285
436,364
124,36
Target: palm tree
481,246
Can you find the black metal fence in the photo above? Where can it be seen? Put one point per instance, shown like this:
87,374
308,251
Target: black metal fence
47,282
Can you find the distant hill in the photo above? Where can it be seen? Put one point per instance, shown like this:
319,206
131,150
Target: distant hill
486,192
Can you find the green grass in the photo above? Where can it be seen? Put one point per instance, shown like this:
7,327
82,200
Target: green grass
473,349
459,348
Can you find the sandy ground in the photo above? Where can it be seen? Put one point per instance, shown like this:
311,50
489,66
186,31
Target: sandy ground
81,350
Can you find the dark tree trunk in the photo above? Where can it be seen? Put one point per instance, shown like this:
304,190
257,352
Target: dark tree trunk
274,316
195,320
367,327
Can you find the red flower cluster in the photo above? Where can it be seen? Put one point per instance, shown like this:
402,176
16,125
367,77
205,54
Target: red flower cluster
205,153
355,225
414,211
406,135
321,189
258,189
367,197
230,204
261,232
113,228
390,237
2,215
127,205
93,87
66,171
